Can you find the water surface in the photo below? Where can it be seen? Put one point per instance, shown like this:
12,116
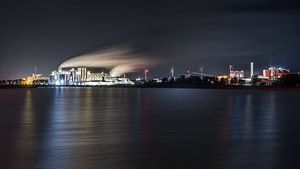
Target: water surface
130,128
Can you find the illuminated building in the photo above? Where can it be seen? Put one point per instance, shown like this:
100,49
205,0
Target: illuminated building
235,73
81,76
36,78
273,73
29,80
222,77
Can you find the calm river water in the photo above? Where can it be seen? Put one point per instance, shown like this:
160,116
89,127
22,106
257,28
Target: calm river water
130,128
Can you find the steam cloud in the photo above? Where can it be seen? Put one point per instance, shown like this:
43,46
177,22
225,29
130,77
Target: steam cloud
118,60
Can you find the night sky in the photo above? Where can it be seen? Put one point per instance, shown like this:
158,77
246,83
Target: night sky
183,34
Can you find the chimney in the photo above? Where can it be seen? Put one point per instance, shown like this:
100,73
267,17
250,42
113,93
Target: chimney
252,69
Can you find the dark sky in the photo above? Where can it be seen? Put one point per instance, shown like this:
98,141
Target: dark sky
184,34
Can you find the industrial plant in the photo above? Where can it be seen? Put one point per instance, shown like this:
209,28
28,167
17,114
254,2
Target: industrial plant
108,67
84,77
268,76
81,71
116,61
234,77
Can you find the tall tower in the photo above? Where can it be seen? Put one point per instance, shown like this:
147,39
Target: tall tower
35,69
230,68
252,69
146,74
172,72
201,71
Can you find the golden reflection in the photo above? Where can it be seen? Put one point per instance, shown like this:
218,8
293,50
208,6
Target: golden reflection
26,137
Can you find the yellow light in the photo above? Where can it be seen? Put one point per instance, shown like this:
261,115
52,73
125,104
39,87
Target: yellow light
222,77
29,80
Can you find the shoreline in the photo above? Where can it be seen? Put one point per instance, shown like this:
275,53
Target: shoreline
177,86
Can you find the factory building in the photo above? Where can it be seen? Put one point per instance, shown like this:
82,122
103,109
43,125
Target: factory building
82,76
235,73
36,79
274,73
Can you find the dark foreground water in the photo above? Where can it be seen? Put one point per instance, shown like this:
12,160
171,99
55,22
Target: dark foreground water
86,128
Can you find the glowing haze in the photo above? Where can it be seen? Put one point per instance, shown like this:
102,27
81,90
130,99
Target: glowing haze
118,60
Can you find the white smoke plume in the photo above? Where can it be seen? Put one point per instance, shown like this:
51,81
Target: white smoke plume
118,60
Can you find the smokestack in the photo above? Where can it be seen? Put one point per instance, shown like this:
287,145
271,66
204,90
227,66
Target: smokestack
230,68
146,73
252,69
35,69
172,72
201,71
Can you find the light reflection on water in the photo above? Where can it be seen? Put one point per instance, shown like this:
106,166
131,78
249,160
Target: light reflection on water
253,130
26,134
148,128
